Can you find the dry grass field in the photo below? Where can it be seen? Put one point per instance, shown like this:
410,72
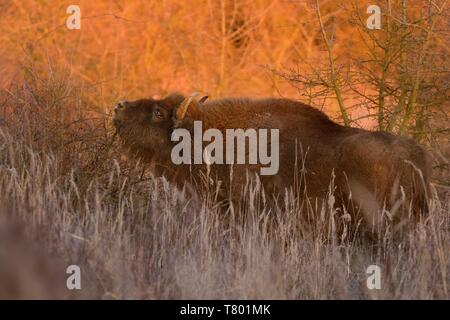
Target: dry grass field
68,195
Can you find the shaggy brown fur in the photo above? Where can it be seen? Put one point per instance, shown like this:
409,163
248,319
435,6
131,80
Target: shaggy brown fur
373,169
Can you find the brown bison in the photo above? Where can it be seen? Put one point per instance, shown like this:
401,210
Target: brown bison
375,170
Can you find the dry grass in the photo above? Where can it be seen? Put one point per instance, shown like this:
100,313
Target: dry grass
67,197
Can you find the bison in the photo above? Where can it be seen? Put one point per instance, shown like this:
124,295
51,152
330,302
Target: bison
375,170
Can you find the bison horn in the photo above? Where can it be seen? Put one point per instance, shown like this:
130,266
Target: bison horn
182,109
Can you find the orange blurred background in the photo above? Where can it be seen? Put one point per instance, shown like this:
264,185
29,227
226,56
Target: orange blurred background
132,49
136,48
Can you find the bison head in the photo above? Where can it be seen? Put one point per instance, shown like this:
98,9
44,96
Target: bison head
145,125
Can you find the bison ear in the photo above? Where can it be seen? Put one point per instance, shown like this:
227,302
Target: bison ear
203,99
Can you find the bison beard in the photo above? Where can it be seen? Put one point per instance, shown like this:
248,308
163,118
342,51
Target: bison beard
375,170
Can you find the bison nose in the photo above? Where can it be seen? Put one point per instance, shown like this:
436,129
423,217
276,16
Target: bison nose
120,106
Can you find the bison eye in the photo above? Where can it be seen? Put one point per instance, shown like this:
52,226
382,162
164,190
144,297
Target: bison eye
157,114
